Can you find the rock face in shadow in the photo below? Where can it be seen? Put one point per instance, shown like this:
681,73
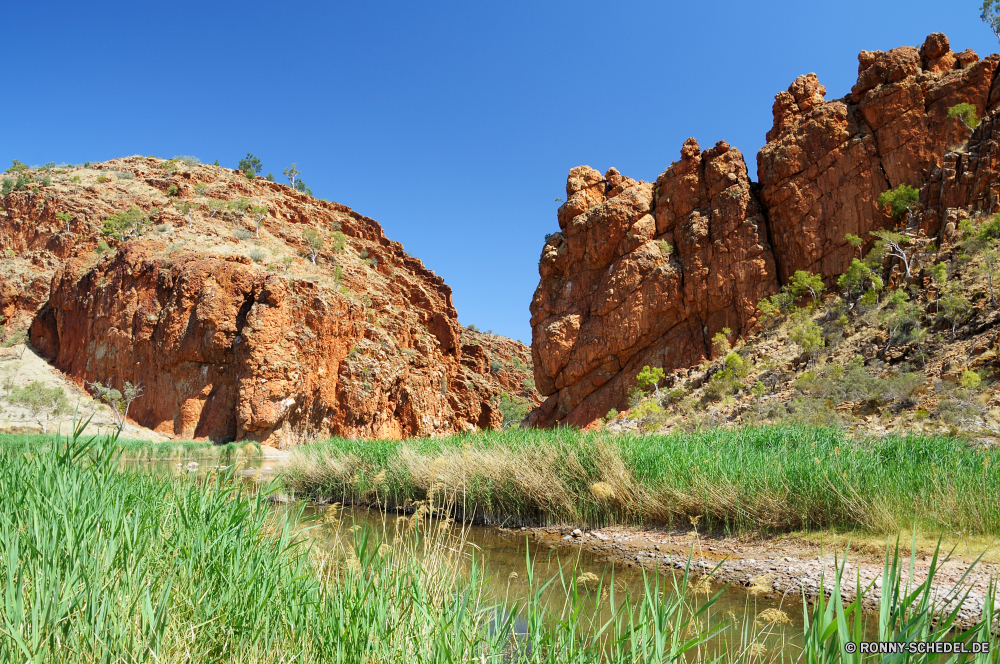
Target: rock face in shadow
235,333
612,299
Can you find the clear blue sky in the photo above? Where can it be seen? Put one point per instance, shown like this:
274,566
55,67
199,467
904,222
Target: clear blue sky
453,124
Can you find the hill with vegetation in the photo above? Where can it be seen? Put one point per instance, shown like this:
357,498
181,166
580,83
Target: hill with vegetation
852,283
236,307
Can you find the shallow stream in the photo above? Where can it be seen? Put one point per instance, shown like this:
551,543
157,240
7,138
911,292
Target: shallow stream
506,555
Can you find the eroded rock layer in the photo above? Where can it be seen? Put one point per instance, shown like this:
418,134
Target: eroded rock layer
647,274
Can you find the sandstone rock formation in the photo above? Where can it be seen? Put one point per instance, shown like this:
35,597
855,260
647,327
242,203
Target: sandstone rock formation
610,300
644,274
237,337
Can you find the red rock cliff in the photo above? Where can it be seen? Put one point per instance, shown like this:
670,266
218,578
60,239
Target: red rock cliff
646,274
235,336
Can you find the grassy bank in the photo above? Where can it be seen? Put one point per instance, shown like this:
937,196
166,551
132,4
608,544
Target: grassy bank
142,449
105,565
767,479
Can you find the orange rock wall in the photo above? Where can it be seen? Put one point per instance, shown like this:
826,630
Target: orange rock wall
610,299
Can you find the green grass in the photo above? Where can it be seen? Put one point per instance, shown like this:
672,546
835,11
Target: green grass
141,449
98,564
763,479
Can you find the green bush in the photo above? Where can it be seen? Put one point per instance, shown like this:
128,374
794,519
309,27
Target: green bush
43,403
803,282
901,200
17,167
859,279
242,234
124,225
513,409
257,256
808,335
250,165
966,113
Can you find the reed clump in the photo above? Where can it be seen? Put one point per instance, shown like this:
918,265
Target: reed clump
759,479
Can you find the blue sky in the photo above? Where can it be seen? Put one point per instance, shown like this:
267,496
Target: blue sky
452,124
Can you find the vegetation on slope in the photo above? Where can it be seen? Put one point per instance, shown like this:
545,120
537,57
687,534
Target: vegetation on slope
881,350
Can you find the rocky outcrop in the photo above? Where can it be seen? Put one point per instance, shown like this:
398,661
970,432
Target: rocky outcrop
238,334
611,300
825,163
644,274
968,180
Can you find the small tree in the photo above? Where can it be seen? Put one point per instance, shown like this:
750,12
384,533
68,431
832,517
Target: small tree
892,245
314,242
858,279
966,113
720,342
953,305
990,261
809,336
64,217
759,390
901,199
185,208
259,213
990,15
44,403
124,225
939,273
901,317
803,282
855,241
8,374
118,401
251,166
650,376
768,312
292,174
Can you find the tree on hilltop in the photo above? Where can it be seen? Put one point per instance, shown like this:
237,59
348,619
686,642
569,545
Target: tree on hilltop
251,166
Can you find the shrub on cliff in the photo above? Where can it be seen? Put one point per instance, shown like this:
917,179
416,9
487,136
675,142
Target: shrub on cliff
859,279
803,282
129,224
17,167
314,243
901,199
650,377
966,114
729,379
808,335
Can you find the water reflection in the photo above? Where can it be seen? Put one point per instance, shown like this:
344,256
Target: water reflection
518,565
